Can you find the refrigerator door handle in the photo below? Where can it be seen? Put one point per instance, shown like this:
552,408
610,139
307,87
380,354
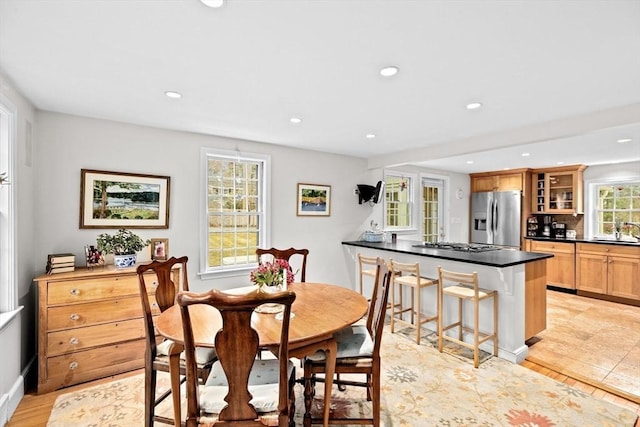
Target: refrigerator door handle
495,215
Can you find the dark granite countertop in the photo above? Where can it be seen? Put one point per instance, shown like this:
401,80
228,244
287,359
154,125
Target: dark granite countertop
599,242
497,258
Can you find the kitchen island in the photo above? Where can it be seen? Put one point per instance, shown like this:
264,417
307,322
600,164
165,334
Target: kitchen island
519,277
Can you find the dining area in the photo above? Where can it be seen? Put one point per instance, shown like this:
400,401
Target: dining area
233,354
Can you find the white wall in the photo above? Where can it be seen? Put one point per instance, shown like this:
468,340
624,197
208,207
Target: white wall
67,144
617,171
456,212
18,337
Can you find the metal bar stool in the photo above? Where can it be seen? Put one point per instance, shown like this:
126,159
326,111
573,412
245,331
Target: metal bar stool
466,288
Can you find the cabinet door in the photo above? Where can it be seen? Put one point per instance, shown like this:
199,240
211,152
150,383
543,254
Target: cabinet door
623,275
560,268
509,182
483,183
591,273
560,192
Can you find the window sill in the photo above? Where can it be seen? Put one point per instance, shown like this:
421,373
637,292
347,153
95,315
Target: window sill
221,274
7,317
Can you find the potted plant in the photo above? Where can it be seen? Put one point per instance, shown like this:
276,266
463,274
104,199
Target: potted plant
123,245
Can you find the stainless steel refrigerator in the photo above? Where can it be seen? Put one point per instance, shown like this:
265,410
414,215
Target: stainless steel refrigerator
495,218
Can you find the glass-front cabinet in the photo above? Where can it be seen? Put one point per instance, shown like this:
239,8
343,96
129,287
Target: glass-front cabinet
557,190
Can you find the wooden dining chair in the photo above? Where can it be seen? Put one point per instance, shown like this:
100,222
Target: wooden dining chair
241,390
358,353
286,254
164,290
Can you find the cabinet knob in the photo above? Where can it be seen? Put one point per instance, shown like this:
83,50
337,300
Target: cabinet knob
74,341
73,365
75,291
74,316
154,305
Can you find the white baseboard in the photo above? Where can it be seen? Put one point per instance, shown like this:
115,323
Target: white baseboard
10,401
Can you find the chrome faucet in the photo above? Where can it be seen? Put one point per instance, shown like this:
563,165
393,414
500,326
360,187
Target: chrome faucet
634,224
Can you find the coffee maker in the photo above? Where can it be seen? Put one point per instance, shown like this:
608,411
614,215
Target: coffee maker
559,230
547,220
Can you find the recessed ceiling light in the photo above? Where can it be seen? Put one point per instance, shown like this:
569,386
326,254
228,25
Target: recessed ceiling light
560,163
172,94
474,105
213,3
624,140
526,154
469,162
370,135
389,71
295,120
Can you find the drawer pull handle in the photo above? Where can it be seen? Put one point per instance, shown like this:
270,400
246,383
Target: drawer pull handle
73,365
75,291
74,341
74,316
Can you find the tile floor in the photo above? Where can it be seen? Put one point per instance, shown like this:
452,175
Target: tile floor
594,341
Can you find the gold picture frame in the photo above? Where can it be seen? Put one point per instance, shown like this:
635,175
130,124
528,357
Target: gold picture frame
123,200
159,249
313,200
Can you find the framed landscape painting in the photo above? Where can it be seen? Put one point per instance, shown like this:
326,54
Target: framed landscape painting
123,200
314,200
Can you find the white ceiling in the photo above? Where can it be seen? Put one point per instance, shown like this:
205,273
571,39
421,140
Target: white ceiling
566,72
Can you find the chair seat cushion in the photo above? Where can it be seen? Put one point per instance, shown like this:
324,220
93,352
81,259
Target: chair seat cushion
354,341
263,385
204,355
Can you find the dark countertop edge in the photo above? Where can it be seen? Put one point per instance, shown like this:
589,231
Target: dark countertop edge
498,258
595,242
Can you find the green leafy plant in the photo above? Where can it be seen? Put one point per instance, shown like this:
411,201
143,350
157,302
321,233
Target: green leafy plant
124,242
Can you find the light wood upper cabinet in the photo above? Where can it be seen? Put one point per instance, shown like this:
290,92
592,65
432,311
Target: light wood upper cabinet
560,268
498,181
609,270
557,190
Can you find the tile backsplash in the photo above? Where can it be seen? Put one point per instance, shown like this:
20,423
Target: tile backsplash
573,223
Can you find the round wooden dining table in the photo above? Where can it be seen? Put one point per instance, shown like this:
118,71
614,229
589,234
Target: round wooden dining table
318,312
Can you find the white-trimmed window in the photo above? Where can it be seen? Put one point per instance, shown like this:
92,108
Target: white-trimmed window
616,203
8,283
398,201
235,207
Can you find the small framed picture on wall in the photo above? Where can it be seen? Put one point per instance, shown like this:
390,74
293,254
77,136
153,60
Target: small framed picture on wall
159,249
314,200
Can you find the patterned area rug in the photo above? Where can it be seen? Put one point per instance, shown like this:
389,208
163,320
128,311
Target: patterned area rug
420,387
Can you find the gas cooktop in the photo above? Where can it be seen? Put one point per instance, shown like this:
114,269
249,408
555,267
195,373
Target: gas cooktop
461,247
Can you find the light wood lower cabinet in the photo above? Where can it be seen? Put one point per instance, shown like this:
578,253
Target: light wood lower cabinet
609,270
560,268
90,325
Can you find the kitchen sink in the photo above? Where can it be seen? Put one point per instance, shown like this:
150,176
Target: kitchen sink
612,241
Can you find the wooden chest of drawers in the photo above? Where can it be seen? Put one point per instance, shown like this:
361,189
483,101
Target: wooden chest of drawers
90,325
